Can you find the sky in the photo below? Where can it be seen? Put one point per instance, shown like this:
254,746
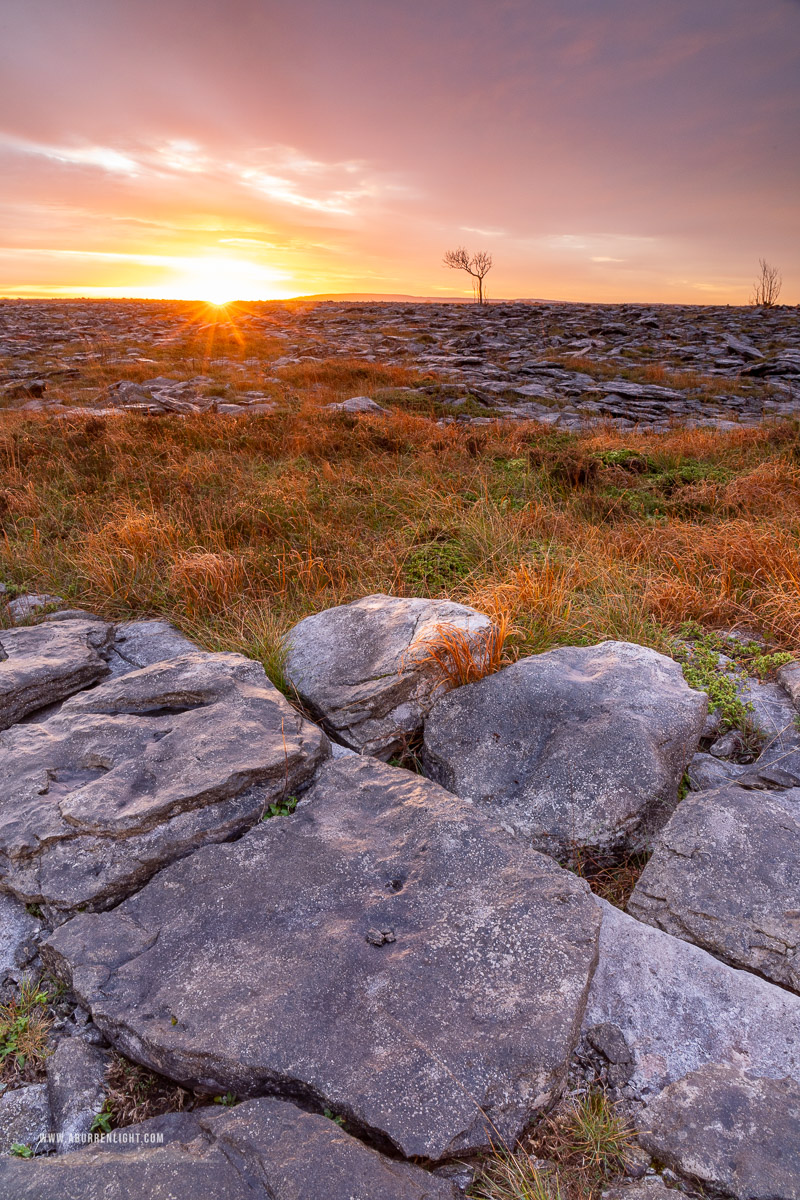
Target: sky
599,150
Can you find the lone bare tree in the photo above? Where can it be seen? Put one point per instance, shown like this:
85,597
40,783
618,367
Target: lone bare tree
767,287
478,265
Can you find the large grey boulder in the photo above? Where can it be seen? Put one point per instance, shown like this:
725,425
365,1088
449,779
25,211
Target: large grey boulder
141,770
679,1008
361,667
731,1130
385,952
40,664
725,874
581,745
261,1150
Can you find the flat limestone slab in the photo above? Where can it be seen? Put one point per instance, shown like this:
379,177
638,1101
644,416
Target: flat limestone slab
679,1008
40,664
141,770
731,1130
142,643
725,874
360,667
385,952
261,1150
582,745
715,1058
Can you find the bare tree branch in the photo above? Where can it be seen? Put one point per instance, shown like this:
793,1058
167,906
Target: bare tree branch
478,266
767,286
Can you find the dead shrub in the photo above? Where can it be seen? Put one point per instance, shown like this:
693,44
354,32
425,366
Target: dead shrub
611,874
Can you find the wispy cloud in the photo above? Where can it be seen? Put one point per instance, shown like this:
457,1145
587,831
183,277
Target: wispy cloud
287,176
283,174
286,191
104,158
483,232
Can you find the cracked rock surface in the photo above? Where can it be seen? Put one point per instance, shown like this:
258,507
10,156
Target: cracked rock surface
678,1007
40,664
361,667
731,1130
142,643
581,745
390,951
141,770
690,1022
248,968
261,1150
725,874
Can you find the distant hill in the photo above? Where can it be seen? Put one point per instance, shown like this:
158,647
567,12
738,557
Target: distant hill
376,297
366,297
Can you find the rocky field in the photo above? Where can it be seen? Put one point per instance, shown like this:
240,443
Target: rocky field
399,752
342,978
570,365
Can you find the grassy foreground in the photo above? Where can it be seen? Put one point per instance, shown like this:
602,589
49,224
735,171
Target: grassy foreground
235,529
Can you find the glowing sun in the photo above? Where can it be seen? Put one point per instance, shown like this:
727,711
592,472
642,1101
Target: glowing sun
219,280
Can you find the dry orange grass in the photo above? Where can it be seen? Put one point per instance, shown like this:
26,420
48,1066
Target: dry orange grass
237,529
205,579
458,656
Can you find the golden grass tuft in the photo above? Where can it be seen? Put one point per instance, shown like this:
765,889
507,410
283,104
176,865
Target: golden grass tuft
25,1024
518,1175
205,579
572,1154
459,656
